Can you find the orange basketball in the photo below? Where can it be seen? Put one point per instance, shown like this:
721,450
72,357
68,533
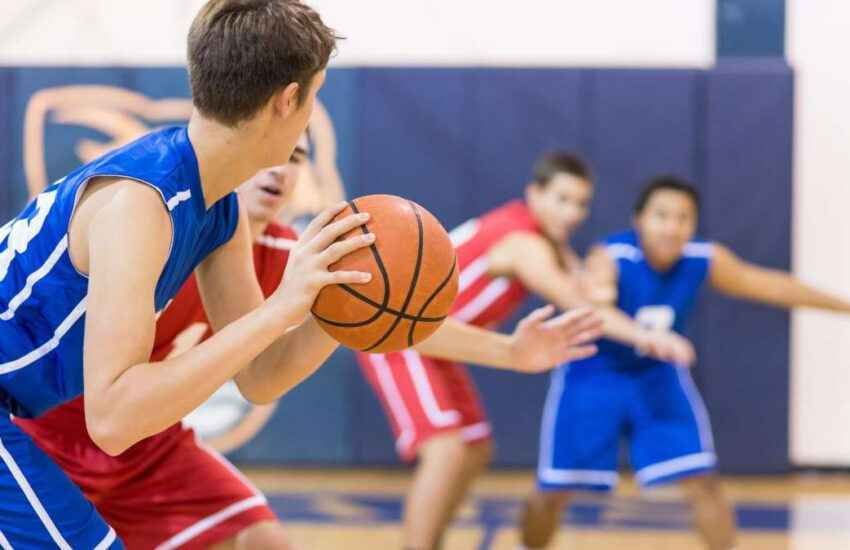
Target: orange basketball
414,279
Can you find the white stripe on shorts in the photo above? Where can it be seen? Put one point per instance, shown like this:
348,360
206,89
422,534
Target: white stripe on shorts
32,498
209,522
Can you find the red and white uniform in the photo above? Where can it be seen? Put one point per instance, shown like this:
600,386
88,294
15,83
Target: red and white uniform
169,490
424,396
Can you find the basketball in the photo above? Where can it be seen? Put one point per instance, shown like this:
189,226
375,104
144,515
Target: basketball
414,279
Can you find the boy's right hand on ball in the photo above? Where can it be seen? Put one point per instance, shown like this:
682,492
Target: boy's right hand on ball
319,247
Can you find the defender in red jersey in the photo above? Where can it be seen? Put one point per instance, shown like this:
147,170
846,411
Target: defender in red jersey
433,406
171,490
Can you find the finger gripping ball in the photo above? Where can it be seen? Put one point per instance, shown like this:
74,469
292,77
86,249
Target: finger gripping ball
414,279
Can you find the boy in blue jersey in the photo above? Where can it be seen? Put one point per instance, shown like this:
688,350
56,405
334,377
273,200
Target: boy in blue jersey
653,273
85,268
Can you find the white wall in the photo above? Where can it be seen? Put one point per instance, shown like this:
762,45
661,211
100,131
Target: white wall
818,42
382,32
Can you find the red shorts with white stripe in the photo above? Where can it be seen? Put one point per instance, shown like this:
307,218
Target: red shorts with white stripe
423,396
167,491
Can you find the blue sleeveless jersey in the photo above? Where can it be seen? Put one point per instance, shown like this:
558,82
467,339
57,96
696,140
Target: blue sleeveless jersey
42,295
655,300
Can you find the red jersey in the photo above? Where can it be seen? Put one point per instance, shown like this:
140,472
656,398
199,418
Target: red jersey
482,299
182,325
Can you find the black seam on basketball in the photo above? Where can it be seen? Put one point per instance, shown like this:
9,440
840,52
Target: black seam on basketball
406,316
382,307
428,302
413,280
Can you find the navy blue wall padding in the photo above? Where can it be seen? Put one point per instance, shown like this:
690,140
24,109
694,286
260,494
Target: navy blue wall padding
7,160
460,141
744,366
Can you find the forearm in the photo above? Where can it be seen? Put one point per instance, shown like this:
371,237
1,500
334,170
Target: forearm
148,398
781,289
456,341
619,326
287,362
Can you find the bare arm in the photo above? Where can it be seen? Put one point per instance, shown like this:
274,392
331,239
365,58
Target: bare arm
733,276
129,398
533,260
537,344
230,289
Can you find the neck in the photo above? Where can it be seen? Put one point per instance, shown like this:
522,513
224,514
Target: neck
226,156
258,227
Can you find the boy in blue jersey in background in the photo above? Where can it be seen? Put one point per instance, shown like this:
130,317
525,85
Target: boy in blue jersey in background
653,273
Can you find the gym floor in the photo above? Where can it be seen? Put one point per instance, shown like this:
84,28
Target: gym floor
354,510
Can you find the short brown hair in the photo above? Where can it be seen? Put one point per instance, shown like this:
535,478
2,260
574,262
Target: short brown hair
548,165
243,51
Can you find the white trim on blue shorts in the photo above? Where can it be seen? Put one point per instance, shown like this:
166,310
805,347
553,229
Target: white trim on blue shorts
32,498
546,473
680,465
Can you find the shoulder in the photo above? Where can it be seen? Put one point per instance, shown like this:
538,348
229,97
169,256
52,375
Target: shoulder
702,249
622,246
129,202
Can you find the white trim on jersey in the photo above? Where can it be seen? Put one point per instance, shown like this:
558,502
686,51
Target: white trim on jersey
698,250
107,540
679,465
472,272
427,399
209,522
698,408
32,498
4,542
34,277
407,430
476,431
177,198
462,234
483,300
48,346
624,251
278,243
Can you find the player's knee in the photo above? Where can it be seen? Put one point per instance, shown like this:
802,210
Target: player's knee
267,534
480,453
701,486
553,501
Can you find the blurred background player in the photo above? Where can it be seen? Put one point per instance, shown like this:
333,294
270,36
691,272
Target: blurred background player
434,408
653,273
195,498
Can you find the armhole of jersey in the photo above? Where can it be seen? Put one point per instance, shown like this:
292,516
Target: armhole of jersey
82,189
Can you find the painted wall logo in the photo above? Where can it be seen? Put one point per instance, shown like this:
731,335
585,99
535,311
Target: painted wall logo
67,126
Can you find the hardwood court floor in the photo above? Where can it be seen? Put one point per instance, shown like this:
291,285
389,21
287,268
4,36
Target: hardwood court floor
361,510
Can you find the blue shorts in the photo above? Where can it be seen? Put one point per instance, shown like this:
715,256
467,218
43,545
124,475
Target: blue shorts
590,409
39,506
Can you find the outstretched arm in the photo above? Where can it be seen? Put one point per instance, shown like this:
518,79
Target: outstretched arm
533,260
537,344
733,276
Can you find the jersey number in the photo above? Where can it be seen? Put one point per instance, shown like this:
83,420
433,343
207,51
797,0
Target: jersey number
659,318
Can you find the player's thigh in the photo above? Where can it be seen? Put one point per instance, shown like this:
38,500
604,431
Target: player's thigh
39,506
671,431
580,431
416,392
267,534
